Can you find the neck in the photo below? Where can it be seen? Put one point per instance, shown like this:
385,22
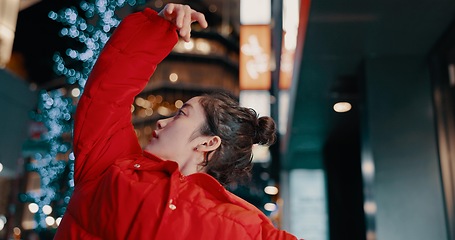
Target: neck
191,165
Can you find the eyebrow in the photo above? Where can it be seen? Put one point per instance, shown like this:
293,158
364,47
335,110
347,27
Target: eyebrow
186,105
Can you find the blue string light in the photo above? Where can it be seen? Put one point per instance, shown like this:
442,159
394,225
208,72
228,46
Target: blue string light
92,29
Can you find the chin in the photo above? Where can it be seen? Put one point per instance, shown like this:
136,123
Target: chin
149,148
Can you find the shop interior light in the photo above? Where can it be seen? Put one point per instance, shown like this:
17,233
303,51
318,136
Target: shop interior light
341,107
270,207
2,222
452,74
290,23
262,12
271,190
178,103
17,231
173,77
189,45
370,207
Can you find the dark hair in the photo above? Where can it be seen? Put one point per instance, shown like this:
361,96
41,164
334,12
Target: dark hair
239,128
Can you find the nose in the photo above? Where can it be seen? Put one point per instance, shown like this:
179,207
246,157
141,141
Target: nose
162,123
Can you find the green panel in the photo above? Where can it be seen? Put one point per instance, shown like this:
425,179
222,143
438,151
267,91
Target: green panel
16,100
401,131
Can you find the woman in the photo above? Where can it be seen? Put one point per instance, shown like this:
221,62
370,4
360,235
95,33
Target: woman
168,191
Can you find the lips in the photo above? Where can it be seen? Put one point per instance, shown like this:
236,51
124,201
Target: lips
154,134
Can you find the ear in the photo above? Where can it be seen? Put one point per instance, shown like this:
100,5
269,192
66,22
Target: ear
211,143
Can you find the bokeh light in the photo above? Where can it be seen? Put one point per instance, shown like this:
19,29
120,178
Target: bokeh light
342,107
271,190
270,207
33,207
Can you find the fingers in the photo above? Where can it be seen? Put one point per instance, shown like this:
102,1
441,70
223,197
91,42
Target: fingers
183,16
183,20
169,9
180,16
200,18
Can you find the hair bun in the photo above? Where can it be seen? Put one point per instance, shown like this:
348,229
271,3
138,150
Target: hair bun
265,131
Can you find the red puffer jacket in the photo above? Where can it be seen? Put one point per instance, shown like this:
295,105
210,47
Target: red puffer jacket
122,192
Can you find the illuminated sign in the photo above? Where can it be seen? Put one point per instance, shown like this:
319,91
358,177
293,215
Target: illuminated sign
255,57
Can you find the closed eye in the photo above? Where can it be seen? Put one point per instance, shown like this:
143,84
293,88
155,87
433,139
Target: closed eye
184,110
180,112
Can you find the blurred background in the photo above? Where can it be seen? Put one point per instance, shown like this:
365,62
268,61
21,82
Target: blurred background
362,92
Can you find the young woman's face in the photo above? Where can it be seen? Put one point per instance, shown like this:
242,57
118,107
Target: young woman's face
176,138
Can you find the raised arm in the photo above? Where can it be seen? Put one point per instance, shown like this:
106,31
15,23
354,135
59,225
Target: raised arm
103,130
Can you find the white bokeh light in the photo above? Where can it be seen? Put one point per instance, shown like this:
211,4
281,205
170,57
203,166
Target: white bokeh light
270,207
58,220
50,221
342,107
33,207
271,190
47,209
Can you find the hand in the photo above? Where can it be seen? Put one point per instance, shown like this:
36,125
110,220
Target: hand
183,16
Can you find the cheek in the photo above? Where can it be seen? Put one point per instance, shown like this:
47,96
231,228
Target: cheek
187,132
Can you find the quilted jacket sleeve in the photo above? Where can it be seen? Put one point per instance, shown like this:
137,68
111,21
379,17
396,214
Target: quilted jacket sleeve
262,231
270,232
103,131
